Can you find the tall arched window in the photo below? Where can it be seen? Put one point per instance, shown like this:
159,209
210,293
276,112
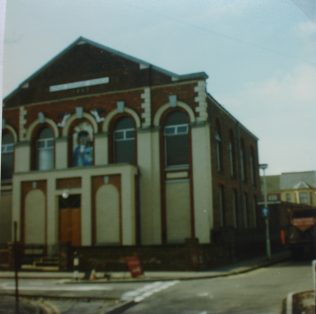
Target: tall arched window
221,205
124,141
7,155
231,151
243,170
253,166
219,148
45,149
176,139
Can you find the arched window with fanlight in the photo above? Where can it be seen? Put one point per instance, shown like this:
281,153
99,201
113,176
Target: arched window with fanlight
176,139
45,149
7,155
124,141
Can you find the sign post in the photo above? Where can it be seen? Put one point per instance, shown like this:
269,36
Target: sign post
314,279
265,214
16,268
265,210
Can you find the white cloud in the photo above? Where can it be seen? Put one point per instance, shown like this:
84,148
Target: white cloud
307,28
296,88
307,31
281,111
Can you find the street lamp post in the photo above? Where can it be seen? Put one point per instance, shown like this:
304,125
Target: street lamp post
265,211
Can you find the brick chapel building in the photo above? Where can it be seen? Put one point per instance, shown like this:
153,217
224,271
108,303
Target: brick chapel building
103,149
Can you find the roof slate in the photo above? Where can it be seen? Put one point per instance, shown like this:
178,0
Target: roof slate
298,180
81,40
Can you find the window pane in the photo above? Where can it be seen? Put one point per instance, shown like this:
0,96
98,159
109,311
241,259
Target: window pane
7,155
125,152
130,134
118,135
183,129
176,139
40,144
45,149
304,197
176,117
7,138
177,150
169,130
45,159
124,142
46,133
50,142
7,166
125,123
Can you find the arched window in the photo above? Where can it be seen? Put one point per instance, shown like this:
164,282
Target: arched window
253,167
231,151
45,149
221,205
243,170
7,156
124,141
245,211
219,148
82,145
176,139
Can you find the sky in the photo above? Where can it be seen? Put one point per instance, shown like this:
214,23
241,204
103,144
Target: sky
260,56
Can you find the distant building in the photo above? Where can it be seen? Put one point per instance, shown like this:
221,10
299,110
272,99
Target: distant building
293,187
101,148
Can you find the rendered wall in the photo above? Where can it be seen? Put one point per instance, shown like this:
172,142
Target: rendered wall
178,210
34,203
107,215
202,184
35,218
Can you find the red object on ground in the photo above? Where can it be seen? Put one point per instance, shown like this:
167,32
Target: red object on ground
134,266
283,236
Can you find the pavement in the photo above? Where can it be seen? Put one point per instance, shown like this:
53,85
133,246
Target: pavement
120,277
125,277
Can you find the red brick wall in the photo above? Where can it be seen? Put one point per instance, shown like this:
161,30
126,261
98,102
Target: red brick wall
218,116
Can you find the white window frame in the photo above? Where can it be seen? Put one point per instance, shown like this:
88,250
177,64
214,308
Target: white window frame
7,148
125,137
175,128
48,143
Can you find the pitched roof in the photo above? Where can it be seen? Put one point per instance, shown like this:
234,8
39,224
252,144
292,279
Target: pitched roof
83,40
298,180
273,183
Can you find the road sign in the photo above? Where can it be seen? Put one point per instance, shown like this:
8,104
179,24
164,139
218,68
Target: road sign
265,212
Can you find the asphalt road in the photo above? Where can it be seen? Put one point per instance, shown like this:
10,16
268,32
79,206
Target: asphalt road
260,291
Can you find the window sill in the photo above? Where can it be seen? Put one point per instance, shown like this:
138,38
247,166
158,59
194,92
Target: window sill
177,168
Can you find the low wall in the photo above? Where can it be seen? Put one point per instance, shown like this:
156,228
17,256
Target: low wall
189,256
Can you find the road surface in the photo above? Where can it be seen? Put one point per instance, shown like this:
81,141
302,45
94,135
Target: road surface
259,291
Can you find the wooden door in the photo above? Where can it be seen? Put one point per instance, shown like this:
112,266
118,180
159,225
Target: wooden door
70,226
